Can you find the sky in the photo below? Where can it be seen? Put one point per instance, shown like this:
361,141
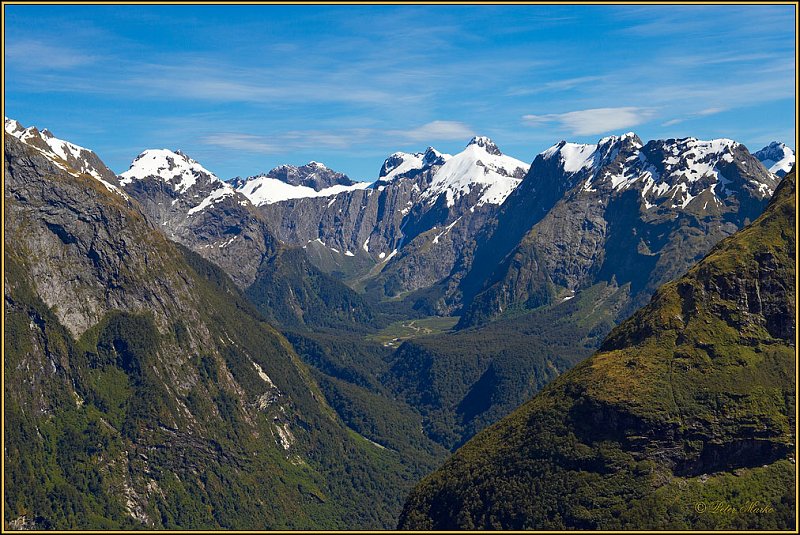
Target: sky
245,88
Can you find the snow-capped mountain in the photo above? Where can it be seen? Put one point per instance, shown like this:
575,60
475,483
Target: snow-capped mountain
413,221
480,166
667,173
265,189
200,211
587,213
74,157
183,174
291,182
314,175
407,165
776,157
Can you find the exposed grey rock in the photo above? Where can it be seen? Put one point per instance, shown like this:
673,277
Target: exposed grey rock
208,216
84,263
635,214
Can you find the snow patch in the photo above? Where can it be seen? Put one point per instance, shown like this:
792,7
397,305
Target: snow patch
175,168
266,190
75,156
446,230
475,167
225,190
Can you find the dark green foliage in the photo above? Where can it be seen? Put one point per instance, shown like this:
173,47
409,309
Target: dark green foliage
463,381
347,367
69,460
293,292
55,472
390,423
342,355
687,409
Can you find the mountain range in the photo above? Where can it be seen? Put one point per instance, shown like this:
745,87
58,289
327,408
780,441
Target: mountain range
317,336
685,418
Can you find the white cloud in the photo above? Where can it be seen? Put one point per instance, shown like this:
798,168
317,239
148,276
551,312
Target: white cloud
593,121
242,142
37,55
288,141
436,131
710,111
582,82
702,113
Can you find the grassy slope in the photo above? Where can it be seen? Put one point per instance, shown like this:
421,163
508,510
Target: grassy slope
690,401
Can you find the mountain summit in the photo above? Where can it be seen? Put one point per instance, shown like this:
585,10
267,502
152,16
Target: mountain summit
480,167
776,157
71,156
487,144
313,175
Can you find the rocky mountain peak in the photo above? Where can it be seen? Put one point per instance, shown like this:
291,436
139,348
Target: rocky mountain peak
12,125
433,157
77,158
409,164
313,175
479,167
776,157
237,182
487,144
173,167
395,160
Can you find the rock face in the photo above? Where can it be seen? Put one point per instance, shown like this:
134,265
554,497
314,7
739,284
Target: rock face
144,391
404,232
63,152
207,215
76,231
618,211
313,175
198,210
463,234
688,405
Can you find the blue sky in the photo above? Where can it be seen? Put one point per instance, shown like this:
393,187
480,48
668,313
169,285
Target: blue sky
245,88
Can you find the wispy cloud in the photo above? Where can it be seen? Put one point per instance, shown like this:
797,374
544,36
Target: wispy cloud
242,142
287,141
556,85
37,55
435,131
339,139
702,113
593,121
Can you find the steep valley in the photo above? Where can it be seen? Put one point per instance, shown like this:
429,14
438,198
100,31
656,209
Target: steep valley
297,350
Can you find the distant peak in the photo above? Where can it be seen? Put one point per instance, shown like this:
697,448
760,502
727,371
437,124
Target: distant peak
432,157
12,126
172,166
487,144
315,175
628,136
